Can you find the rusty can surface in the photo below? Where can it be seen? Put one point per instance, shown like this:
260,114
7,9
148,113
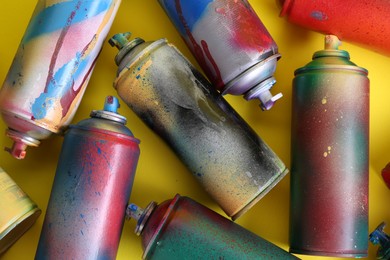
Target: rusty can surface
91,188
329,156
181,228
230,161
52,67
367,24
230,43
18,212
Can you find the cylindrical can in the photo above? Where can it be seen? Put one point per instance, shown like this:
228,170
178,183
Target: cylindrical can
91,188
221,150
52,67
18,212
329,156
379,237
230,43
367,22
181,228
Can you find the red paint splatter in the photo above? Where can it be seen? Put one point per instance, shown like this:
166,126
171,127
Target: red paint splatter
249,31
218,78
58,47
198,52
67,98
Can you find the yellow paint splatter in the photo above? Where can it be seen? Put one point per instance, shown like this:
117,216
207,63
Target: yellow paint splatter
324,101
325,154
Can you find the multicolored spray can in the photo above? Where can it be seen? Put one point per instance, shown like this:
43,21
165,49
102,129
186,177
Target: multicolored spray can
181,228
52,67
367,24
225,155
18,212
230,43
379,237
329,150
92,185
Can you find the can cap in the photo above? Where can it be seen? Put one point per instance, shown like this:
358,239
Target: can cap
21,142
140,215
121,41
331,58
107,120
110,111
263,93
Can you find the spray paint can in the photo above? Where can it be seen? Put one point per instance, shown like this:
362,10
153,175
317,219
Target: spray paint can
379,237
224,154
18,212
181,228
52,67
92,185
329,150
230,43
367,22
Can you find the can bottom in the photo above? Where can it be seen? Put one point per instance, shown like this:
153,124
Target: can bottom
272,183
18,228
349,254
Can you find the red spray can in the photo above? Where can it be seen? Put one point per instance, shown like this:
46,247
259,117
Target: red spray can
181,228
365,22
92,185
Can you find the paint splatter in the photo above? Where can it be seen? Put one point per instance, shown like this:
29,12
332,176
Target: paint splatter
318,15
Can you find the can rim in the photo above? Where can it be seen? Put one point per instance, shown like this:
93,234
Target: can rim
163,222
151,46
107,132
109,116
332,67
357,254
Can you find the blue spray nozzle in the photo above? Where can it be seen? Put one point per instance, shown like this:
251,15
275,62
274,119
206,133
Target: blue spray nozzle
111,104
379,237
134,212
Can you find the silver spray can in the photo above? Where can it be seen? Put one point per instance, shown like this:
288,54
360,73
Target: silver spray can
225,155
230,43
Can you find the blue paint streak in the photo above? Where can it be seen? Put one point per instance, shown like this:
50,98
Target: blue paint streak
319,15
56,17
59,86
192,12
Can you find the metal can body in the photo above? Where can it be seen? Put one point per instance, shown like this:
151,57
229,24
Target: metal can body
224,154
90,192
367,22
229,41
18,212
181,228
329,170
52,67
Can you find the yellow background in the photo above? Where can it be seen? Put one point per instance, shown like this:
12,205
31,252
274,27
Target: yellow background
160,175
